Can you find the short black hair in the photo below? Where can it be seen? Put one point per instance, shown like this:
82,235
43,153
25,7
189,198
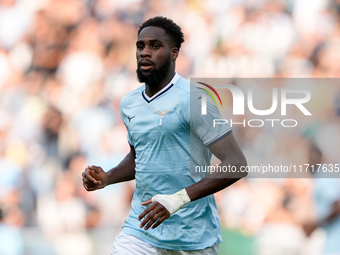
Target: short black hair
170,27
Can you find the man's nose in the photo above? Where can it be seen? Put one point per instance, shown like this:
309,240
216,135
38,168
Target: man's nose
145,52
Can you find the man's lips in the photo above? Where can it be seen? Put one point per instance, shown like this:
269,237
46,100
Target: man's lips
145,65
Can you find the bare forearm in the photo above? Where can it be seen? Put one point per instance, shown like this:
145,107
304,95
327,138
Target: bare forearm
208,186
215,182
124,171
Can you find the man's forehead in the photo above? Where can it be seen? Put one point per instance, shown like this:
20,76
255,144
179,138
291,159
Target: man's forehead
153,33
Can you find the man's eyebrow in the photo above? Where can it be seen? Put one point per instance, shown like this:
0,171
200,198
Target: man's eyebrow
156,41
151,41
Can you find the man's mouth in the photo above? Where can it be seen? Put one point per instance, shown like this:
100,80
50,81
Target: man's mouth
145,65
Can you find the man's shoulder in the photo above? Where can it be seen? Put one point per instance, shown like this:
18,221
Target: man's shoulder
132,95
188,88
186,85
183,84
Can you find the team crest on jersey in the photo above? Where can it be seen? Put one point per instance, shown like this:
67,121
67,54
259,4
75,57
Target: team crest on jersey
161,116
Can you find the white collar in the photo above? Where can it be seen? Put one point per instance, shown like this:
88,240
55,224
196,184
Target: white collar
173,81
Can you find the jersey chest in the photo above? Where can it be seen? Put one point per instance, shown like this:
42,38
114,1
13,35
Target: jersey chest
154,117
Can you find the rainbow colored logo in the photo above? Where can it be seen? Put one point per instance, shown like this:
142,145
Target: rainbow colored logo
209,93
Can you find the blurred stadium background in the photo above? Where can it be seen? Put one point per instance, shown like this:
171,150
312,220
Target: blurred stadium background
65,64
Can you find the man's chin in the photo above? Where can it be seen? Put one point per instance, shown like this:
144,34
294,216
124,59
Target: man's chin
153,77
143,76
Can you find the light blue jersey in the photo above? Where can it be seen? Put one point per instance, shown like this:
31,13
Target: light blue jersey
159,130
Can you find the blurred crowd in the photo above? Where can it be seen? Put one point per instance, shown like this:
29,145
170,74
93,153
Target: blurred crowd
65,65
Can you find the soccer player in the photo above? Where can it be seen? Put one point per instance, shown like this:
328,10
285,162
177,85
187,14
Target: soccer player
172,212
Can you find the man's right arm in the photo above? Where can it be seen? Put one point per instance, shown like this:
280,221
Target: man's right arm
94,177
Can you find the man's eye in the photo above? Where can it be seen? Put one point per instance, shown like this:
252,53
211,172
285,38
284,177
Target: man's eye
156,46
140,47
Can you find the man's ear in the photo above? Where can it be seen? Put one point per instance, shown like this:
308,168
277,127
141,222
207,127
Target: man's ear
174,53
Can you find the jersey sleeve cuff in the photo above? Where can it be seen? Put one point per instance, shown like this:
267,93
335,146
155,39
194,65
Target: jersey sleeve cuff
218,138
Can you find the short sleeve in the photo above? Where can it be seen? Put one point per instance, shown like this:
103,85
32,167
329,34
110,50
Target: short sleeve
203,125
124,118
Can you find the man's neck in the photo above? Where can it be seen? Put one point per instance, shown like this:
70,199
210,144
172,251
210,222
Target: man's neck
150,91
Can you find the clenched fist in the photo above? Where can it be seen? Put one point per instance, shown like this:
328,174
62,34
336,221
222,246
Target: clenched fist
94,177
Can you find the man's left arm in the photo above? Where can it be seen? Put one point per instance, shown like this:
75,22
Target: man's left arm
163,206
230,154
